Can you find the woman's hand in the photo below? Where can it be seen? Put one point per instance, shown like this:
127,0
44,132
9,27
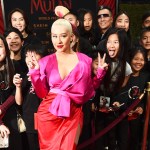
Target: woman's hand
116,104
17,80
130,113
4,131
101,62
139,110
32,61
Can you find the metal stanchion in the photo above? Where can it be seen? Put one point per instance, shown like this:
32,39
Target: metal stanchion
147,116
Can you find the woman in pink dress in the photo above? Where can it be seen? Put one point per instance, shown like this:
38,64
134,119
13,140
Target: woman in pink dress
63,80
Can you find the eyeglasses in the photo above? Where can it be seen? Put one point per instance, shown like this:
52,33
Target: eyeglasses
103,16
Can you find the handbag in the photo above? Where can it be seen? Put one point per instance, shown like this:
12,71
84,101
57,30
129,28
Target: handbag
4,141
20,123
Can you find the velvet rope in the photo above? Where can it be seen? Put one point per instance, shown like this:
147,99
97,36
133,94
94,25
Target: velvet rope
111,125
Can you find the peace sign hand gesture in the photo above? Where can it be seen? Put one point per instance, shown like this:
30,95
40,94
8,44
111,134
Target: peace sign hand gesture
101,71
32,61
101,62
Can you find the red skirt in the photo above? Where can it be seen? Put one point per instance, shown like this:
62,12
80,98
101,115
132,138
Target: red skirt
57,133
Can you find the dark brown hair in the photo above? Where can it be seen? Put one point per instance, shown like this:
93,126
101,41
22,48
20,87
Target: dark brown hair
8,66
28,28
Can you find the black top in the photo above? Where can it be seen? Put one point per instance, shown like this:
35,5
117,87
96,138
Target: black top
91,37
85,46
30,105
30,39
20,67
124,94
101,46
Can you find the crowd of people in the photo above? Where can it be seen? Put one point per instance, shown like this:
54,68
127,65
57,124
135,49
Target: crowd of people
94,73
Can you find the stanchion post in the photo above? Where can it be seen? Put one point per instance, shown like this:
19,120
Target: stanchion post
147,115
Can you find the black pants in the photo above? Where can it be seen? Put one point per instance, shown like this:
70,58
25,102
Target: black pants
109,139
122,134
30,141
135,134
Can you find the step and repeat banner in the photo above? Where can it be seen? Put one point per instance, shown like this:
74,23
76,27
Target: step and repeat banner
41,13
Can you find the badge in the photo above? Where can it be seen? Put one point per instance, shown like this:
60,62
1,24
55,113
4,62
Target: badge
134,92
104,101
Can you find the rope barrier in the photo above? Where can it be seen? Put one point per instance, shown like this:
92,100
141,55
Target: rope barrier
111,125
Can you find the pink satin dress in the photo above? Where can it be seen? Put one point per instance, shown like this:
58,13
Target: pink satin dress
60,112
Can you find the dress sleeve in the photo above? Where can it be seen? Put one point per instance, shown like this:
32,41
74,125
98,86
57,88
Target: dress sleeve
39,80
98,78
10,100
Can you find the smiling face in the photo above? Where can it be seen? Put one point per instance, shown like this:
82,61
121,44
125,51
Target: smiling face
104,19
145,40
61,38
2,51
88,21
18,21
14,41
113,45
137,62
122,21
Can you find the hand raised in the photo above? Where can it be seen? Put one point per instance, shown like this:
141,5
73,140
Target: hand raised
32,61
17,80
101,62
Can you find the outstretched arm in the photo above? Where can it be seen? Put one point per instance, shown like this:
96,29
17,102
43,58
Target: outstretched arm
37,75
101,71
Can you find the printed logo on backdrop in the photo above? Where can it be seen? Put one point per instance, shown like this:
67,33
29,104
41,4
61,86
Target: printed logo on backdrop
41,13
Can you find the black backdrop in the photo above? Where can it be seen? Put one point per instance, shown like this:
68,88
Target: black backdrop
41,13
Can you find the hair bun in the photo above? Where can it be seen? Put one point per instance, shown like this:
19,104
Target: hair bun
61,11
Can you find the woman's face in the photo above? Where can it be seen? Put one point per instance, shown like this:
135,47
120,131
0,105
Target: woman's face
61,38
95,66
113,45
122,21
18,21
14,41
137,62
146,22
145,40
2,51
88,21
